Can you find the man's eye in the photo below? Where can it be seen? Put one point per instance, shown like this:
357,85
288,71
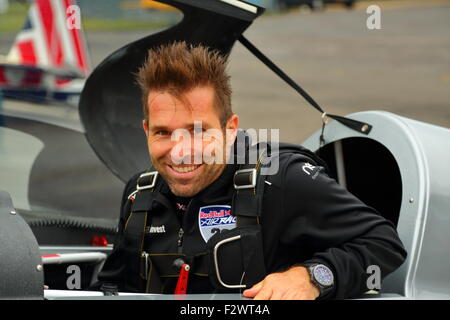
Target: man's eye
161,133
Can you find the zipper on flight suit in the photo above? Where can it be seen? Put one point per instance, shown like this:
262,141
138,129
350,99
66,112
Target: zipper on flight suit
144,257
181,231
180,240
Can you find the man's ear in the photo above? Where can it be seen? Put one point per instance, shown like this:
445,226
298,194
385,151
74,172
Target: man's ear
232,127
145,126
233,122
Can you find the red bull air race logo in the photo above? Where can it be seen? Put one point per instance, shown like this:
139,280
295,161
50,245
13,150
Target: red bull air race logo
214,219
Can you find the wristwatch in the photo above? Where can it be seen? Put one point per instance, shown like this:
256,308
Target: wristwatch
322,277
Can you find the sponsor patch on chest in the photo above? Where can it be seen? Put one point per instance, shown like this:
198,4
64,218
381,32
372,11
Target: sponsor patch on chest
214,219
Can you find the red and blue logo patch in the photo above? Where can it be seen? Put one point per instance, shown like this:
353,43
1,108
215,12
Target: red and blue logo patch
214,219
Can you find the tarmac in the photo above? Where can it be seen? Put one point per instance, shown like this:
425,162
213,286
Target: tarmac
403,68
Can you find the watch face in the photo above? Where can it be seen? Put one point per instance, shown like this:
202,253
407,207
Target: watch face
323,275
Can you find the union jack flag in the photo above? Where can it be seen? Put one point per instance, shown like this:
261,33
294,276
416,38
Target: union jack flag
46,43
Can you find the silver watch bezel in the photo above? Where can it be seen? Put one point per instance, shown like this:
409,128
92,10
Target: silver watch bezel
318,280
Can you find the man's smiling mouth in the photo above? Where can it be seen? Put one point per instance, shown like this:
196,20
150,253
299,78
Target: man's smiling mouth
184,169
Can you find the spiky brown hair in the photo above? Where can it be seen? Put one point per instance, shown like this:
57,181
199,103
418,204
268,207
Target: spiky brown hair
179,67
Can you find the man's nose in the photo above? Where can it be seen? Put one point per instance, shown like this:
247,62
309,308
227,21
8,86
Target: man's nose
187,152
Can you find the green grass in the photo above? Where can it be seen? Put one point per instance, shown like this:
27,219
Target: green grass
116,25
13,20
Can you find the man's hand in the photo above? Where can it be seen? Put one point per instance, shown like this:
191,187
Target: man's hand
293,284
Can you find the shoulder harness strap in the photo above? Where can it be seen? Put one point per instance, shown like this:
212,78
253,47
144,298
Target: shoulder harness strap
249,189
142,202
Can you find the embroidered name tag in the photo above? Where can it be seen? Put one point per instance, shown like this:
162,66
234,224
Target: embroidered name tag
153,229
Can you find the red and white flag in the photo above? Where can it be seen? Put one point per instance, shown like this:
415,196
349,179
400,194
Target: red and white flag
48,41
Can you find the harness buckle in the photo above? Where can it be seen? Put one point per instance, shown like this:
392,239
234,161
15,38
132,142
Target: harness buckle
153,175
216,264
243,175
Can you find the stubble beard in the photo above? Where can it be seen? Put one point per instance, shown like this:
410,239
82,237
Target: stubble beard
211,172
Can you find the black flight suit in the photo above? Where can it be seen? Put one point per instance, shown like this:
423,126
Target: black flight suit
307,217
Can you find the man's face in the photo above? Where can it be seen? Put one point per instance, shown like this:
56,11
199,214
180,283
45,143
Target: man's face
176,151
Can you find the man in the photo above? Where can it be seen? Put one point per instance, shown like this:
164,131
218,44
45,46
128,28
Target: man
317,239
